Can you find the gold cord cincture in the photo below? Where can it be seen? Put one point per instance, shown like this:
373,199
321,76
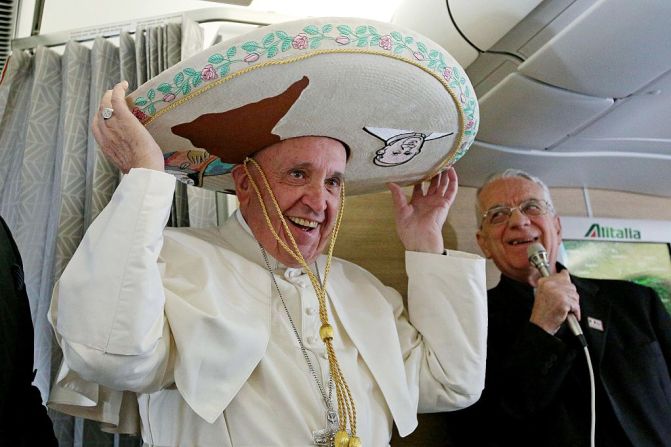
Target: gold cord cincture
346,408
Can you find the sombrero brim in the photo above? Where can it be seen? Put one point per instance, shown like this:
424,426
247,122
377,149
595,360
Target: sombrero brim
400,102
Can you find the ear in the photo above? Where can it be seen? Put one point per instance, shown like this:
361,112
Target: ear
243,188
481,237
558,226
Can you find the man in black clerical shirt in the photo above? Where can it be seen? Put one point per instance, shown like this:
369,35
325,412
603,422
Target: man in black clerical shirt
537,390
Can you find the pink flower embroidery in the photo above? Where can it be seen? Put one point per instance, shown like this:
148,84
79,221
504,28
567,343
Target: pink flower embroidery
342,40
139,114
447,73
208,73
419,56
385,42
300,42
168,97
251,57
470,124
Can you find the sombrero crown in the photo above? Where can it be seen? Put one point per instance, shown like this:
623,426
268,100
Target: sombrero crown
400,102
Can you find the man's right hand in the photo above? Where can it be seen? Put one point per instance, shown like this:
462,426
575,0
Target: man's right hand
122,138
555,297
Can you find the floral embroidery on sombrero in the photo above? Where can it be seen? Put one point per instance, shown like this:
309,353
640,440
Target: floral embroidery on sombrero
313,37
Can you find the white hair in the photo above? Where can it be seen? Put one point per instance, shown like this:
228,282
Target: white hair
510,173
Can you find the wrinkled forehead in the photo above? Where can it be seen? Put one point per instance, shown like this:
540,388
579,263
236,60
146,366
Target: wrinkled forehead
509,191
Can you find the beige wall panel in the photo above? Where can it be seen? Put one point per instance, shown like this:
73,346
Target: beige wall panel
569,201
368,238
622,205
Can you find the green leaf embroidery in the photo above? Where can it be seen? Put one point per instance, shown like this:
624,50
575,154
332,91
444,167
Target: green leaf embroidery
344,29
268,39
250,47
361,37
217,58
311,30
286,44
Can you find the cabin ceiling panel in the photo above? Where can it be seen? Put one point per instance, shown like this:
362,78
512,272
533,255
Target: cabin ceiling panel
644,174
613,49
639,123
520,112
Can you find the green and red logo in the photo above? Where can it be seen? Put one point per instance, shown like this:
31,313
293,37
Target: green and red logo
597,231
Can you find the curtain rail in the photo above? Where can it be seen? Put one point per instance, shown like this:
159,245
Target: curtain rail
217,14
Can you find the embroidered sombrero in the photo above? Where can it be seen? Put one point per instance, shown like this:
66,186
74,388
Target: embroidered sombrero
400,102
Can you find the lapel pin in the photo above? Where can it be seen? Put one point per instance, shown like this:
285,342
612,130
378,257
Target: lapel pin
595,323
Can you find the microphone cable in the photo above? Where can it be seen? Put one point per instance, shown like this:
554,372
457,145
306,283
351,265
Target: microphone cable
592,406
538,258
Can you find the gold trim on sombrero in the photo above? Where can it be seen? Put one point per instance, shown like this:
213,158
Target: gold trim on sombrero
288,60
384,87
452,153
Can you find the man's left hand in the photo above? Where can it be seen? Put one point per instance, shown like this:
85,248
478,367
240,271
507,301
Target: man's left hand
419,222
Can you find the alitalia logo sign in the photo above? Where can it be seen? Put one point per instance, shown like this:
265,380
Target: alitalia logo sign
597,231
604,229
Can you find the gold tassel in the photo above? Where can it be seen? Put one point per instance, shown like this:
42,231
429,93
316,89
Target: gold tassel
354,441
341,439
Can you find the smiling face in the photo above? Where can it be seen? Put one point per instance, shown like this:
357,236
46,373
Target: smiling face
399,152
506,243
306,176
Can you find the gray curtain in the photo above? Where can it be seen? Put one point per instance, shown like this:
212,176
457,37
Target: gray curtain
54,180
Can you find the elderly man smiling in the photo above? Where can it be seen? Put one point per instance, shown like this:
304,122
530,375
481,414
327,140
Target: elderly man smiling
538,384
252,334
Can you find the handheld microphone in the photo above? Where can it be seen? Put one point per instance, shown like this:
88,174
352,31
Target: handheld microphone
538,257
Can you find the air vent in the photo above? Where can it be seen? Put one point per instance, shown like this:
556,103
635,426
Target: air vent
7,25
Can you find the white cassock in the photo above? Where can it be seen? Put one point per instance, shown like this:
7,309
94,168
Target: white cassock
186,328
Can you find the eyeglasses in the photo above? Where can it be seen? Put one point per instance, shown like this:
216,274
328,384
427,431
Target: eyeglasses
531,207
